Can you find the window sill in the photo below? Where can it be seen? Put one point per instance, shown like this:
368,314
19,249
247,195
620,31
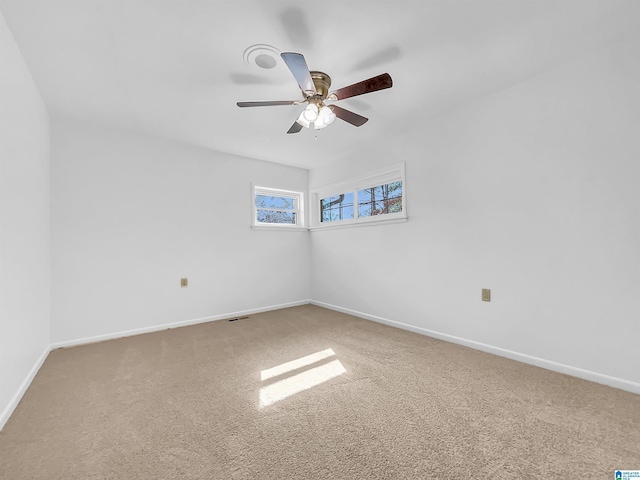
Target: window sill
367,223
281,228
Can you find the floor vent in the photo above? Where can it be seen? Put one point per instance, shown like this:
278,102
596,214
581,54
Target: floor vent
238,318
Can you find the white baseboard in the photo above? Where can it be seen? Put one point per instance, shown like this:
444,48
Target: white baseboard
8,410
165,326
539,362
608,380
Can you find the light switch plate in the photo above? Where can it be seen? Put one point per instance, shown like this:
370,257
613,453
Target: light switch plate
486,295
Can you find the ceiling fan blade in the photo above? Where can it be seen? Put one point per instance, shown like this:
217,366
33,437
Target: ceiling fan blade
348,116
298,66
295,128
366,86
267,104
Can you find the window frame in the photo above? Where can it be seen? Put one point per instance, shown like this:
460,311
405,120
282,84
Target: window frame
277,192
373,179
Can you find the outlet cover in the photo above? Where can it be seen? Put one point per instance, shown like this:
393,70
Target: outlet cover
184,282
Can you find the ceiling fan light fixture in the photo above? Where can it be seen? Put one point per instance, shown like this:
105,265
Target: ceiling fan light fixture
318,118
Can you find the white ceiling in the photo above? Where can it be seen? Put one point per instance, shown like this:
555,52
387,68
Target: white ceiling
175,69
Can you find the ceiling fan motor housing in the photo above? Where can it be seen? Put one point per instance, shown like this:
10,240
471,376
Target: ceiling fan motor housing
322,82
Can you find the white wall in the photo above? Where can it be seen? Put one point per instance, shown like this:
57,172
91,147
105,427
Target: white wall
532,192
133,214
24,225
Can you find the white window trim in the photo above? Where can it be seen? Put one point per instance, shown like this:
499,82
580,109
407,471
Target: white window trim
299,196
373,179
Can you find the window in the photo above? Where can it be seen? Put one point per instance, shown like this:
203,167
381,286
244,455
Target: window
377,197
277,208
338,207
380,200
377,200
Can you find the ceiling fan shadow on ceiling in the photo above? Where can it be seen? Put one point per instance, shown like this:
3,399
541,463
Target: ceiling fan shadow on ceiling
315,91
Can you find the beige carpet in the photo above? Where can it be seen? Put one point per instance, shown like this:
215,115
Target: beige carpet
218,401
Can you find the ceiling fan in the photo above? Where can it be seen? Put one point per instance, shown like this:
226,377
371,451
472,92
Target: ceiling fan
315,91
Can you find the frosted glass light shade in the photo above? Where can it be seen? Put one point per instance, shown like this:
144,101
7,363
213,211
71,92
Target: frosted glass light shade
303,121
318,118
325,118
310,113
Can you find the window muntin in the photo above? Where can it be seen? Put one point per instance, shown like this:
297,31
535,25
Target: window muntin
279,208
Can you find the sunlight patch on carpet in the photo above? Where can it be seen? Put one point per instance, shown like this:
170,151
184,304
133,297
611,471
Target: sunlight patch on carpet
299,382
299,363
